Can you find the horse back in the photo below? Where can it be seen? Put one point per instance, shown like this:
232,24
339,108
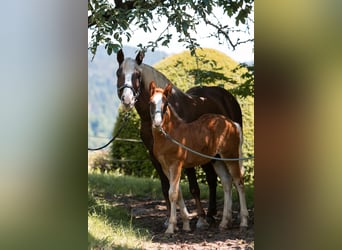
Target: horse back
217,100
209,134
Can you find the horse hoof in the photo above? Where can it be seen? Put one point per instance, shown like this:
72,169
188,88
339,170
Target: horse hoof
224,226
243,229
202,224
169,232
210,219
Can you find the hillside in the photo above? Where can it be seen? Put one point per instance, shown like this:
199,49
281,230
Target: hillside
103,101
211,67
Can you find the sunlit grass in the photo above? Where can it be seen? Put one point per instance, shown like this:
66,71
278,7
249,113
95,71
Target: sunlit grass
115,184
103,233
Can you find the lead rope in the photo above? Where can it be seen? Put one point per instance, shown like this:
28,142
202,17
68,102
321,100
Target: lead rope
198,153
124,120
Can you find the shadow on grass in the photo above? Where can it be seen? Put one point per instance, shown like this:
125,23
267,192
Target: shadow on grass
114,219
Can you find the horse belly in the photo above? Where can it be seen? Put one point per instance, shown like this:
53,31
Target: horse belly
206,137
193,159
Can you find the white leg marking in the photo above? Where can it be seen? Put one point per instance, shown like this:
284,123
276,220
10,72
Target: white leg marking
173,210
226,180
243,205
240,187
183,210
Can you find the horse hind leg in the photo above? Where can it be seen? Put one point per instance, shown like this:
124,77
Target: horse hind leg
235,170
183,211
195,191
226,181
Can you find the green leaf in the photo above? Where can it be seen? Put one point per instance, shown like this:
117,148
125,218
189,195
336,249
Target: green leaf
109,50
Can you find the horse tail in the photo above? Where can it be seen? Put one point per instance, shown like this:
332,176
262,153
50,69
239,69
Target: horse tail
242,169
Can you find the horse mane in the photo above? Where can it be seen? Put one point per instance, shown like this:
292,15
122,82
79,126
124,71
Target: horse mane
151,74
174,113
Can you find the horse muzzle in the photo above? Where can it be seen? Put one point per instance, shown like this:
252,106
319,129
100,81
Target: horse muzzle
157,120
127,100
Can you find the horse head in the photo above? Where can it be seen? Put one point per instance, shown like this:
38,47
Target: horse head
158,103
129,78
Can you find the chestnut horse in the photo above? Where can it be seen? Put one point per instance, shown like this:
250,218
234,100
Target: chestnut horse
210,134
133,79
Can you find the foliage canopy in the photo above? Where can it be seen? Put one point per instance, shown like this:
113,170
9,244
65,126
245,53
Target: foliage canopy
112,21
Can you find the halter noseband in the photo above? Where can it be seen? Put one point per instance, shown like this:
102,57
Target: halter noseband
161,112
135,93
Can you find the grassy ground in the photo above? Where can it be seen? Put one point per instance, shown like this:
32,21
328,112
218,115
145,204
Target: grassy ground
110,225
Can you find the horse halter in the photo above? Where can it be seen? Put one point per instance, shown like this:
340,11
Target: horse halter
135,93
154,112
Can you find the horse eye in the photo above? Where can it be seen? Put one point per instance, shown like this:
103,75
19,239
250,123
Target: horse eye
119,72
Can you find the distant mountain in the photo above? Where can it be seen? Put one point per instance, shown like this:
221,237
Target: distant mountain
103,101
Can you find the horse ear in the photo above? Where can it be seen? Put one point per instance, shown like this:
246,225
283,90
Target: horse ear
152,88
140,57
168,89
120,56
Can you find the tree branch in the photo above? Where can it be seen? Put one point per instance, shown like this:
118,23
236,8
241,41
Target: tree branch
220,30
119,4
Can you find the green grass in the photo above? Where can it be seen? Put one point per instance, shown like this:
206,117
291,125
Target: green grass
104,232
110,226
128,185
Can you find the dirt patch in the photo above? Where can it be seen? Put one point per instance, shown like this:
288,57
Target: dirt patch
151,215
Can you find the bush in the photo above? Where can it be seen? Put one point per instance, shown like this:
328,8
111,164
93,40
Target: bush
131,158
100,160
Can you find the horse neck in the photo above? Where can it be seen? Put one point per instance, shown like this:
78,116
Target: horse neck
150,74
171,120
178,99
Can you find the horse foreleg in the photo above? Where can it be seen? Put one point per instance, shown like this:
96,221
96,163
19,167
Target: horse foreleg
164,184
146,135
226,181
174,179
196,194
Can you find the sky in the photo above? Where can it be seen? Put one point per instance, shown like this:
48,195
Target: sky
242,53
